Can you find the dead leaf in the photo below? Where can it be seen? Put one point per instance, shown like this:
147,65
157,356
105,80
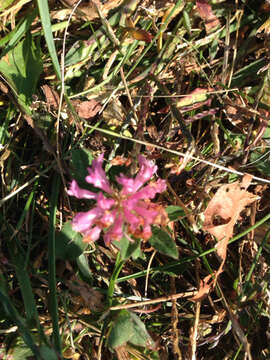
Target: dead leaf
168,12
88,109
52,97
265,27
89,297
197,96
224,210
114,114
3,88
205,287
206,13
121,161
88,10
220,217
139,34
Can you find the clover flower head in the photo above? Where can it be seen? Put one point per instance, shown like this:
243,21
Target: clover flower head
117,213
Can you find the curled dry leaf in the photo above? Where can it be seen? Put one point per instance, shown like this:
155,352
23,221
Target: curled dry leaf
206,13
220,217
224,210
205,287
139,34
88,109
52,97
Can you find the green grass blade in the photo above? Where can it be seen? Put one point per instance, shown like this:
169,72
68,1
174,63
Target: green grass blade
256,260
47,27
181,262
117,268
21,29
15,317
53,303
20,262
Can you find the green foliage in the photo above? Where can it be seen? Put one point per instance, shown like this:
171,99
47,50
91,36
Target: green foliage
83,266
47,28
128,248
174,212
48,353
22,66
127,327
163,243
21,351
121,331
20,322
81,160
260,160
5,4
68,243
132,81
140,335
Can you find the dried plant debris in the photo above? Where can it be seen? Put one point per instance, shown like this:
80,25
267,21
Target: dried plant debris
223,211
165,106
221,215
206,13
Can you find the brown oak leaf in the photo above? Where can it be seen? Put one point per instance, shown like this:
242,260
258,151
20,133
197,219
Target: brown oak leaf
220,216
205,287
52,97
206,13
88,109
224,210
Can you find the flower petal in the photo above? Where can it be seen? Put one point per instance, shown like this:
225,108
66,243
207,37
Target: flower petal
92,235
127,183
75,190
147,170
131,218
115,232
97,175
107,219
103,202
143,232
83,221
149,191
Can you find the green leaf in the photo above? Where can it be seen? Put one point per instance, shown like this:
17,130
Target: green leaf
261,160
174,212
21,351
128,248
128,328
47,28
122,330
83,266
81,160
48,353
5,4
140,334
22,66
162,242
11,311
77,53
14,36
68,243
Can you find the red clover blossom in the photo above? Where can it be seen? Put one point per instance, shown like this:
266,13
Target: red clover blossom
128,212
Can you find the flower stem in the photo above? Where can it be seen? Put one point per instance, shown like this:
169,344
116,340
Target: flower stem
117,268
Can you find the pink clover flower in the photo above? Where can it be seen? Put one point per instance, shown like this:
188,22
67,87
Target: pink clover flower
127,212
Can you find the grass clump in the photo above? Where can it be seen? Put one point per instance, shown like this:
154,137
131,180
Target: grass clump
183,84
